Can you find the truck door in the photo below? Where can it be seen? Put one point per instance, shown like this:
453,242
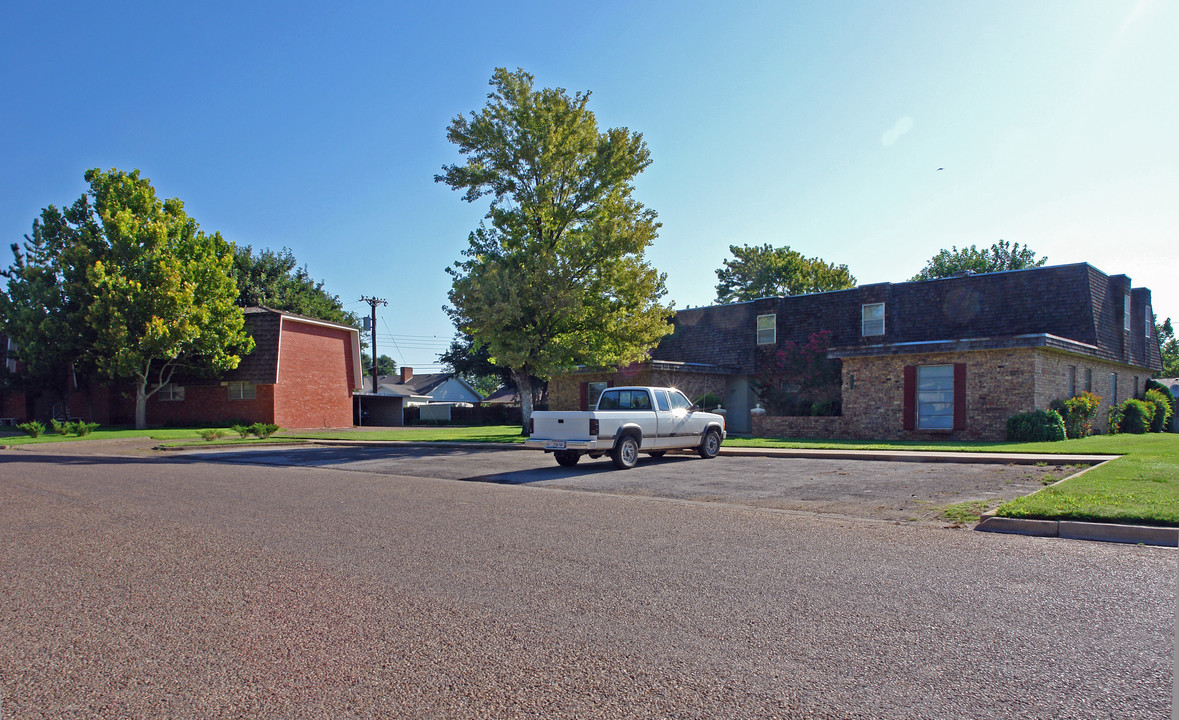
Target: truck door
664,419
686,427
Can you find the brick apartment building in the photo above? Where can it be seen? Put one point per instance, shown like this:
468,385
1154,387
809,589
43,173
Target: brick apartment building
947,358
301,374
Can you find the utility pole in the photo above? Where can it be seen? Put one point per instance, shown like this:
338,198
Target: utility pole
373,302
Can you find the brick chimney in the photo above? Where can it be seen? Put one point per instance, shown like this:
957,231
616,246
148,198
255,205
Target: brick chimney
406,374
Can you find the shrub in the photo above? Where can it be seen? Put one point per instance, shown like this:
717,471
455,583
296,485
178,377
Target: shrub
81,428
1162,410
1136,417
212,434
32,428
59,427
1166,393
1079,412
264,430
1036,426
1114,415
243,430
708,401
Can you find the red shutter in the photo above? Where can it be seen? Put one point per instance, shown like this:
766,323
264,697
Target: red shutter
959,396
584,399
910,394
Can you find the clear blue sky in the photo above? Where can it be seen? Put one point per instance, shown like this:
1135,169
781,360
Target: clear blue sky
816,125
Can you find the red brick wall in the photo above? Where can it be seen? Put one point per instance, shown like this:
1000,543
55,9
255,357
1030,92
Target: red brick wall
12,405
209,404
315,380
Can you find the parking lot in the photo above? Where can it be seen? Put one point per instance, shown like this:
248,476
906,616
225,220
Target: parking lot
895,491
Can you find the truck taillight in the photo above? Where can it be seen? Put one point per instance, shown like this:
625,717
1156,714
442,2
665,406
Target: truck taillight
593,433
531,426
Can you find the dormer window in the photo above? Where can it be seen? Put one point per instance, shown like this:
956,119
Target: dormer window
1149,316
767,326
872,319
1126,313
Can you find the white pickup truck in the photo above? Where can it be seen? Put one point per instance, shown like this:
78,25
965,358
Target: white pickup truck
627,421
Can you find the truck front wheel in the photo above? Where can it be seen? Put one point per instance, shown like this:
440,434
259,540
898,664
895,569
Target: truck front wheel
626,452
567,458
710,444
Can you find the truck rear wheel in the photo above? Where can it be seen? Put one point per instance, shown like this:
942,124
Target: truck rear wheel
626,453
567,458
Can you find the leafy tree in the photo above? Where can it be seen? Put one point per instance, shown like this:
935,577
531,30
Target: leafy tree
998,257
474,365
275,280
44,306
767,271
1169,347
385,364
556,276
163,291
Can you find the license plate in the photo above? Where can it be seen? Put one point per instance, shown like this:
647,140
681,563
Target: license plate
554,445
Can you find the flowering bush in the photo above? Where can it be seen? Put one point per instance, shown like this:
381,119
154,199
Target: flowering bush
801,379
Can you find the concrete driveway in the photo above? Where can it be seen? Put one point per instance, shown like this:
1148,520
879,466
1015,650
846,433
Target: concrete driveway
894,491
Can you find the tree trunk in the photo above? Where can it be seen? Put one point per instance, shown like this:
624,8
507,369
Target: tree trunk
141,404
524,387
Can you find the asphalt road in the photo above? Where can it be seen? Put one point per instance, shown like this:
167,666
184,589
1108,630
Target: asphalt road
139,587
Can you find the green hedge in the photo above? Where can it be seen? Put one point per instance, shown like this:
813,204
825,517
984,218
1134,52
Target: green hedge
1036,426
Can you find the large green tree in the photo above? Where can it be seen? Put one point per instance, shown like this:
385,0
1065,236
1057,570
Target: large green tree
998,257
385,364
556,275
275,280
164,295
1169,347
124,284
43,307
767,271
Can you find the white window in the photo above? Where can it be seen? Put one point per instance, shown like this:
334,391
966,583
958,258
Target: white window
171,393
241,391
1126,313
1149,315
767,326
872,319
935,397
10,363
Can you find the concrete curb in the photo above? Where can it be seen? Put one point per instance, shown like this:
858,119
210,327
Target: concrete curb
1075,530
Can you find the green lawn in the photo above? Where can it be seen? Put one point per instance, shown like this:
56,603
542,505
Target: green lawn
18,438
1142,486
437,433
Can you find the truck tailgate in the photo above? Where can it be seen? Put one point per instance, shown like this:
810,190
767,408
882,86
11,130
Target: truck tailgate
548,425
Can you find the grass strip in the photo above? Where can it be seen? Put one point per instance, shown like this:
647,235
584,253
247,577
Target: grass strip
1139,488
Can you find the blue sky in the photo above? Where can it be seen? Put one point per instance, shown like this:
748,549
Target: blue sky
815,125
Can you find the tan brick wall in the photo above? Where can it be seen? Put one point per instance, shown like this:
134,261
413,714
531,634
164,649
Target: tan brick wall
999,383
1052,381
